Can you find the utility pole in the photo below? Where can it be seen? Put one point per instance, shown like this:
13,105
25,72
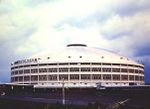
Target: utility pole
63,92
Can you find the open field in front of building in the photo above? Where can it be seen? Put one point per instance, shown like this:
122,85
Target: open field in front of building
77,99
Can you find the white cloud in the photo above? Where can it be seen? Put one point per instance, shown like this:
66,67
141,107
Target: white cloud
51,21
128,33
32,26
48,38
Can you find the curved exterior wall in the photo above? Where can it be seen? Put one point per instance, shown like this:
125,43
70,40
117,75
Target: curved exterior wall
77,66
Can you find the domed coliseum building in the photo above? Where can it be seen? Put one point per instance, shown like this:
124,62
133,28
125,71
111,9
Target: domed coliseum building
77,66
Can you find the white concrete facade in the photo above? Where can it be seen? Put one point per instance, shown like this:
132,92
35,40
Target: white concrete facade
77,66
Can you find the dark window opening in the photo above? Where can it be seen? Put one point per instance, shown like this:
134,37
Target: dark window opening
85,69
85,76
116,77
74,69
63,77
74,77
106,69
106,77
96,76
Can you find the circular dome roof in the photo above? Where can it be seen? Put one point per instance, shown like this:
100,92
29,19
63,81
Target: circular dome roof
82,53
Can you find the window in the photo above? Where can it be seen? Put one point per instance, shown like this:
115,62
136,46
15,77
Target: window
74,77
63,63
21,78
33,65
96,69
136,71
74,69
34,70
115,69
12,79
131,70
141,72
52,69
106,69
63,69
61,77
141,78
124,77
12,73
26,78
131,65
16,67
123,64
26,71
26,65
20,71
136,66
131,77
106,77
52,64
96,76
106,64
12,68
43,64
141,67
16,72
85,76
42,70
85,63
73,63
20,66
42,77
52,77
34,78
115,64
96,63
85,69
124,70
116,77
16,79
137,78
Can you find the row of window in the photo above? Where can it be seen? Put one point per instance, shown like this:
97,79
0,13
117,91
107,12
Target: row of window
36,59
76,69
76,77
54,64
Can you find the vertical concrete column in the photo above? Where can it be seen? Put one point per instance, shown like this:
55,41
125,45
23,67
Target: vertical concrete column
111,73
68,77
38,72
23,75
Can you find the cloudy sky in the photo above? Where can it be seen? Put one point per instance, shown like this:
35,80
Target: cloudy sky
31,26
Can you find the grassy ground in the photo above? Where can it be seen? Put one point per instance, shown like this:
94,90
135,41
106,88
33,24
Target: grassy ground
15,104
